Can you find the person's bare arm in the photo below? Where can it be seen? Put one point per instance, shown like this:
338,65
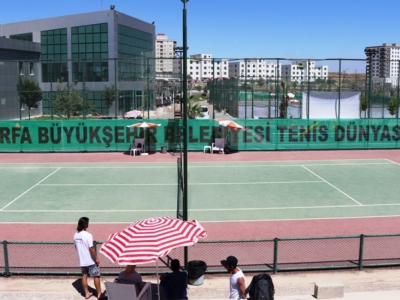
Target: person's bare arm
94,255
242,286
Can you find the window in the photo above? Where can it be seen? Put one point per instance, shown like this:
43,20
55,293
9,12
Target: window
21,68
31,69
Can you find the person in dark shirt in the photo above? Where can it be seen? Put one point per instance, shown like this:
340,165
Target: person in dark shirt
174,283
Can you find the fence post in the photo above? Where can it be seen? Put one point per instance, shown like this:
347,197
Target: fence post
275,255
361,253
6,263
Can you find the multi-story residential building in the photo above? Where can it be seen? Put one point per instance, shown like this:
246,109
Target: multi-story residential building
385,63
303,71
254,68
201,67
93,50
165,54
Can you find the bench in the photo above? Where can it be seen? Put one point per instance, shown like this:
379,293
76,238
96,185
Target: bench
328,290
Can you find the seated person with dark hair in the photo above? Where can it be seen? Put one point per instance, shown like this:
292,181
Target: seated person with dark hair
130,274
174,283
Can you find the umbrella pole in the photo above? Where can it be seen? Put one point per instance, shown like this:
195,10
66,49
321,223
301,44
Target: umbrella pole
158,280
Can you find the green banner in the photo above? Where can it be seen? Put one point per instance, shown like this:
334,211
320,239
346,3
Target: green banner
262,134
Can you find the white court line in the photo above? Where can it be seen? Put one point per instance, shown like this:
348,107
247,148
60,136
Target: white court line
301,163
197,209
332,186
29,189
392,162
174,184
224,221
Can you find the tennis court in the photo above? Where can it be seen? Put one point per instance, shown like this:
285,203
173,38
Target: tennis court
218,191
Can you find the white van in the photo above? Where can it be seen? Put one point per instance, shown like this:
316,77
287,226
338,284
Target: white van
204,113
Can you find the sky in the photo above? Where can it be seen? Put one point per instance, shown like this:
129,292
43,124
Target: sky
295,29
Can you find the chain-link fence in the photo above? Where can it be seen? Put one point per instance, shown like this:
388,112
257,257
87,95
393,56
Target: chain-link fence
274,255
242,88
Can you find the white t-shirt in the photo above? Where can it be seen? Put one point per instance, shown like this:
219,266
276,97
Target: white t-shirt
234,287
83,241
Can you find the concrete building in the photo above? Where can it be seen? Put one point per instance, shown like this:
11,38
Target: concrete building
254,68
19,59
165,54
303,71
93,50
385,63
201,67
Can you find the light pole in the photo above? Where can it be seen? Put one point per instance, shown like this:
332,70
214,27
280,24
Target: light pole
185,129
370,53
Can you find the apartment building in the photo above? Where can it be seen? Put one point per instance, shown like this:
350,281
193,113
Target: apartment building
165,55
303,71
201,67
385,63
254,68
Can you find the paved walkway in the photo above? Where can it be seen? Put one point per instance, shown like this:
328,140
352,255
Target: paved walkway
376,284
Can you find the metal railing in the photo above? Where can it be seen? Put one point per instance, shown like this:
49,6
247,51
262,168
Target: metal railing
271,255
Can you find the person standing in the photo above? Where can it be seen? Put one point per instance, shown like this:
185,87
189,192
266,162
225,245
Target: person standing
88,259
237,283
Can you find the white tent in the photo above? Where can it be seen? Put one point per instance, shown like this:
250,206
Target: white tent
326,105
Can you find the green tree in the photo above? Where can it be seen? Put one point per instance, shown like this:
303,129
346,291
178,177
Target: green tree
198,88
260,82
109,95
71,101
285,101
30,93
364,103
194,109
393,106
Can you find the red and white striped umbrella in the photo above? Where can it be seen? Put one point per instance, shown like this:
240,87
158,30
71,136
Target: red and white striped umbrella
231,124
146,240
144,125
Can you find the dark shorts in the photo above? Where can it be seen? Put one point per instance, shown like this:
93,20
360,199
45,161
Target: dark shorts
92,271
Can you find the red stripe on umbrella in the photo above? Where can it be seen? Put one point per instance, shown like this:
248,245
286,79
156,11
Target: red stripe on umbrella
146,240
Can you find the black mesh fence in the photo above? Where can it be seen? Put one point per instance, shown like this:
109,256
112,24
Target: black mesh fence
111,88
274,255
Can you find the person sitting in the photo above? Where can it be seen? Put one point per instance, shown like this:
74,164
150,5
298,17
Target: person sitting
130,274
174,284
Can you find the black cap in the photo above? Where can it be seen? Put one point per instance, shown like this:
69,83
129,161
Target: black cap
230,261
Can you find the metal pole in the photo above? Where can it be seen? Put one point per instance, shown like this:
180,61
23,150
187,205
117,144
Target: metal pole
148,88
19,94
213,89
252,97
51,89
245,88
83,88
116,96
340,88
185,129
398,88
369,84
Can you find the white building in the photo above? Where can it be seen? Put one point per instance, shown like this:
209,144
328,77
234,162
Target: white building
254,68
385,63
202,66
164,54
303,71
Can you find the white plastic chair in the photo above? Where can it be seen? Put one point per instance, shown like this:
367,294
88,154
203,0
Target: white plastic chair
218,145
137,146
120,291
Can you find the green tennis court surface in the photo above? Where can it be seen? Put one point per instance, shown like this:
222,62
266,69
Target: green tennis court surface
118,192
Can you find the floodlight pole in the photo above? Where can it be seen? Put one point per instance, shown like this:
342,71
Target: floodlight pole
185,129
370,52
